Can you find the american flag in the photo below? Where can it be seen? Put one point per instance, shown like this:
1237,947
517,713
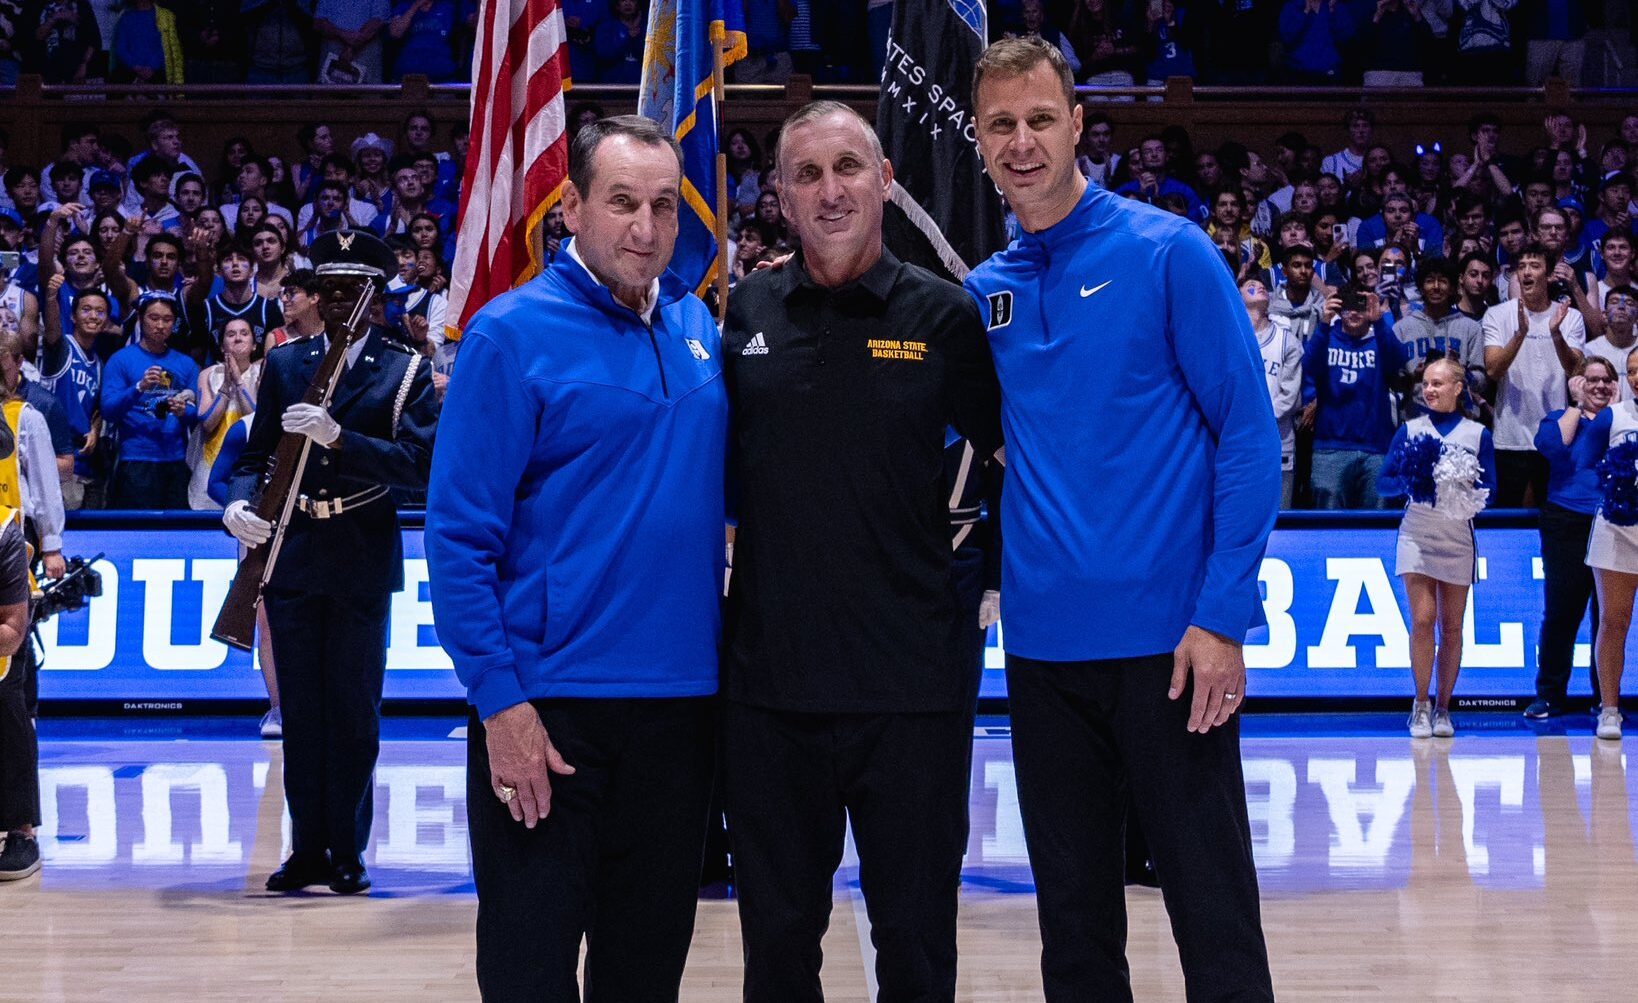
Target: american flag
519,157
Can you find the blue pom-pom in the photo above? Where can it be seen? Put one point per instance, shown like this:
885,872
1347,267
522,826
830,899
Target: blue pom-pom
1618,479
1411,465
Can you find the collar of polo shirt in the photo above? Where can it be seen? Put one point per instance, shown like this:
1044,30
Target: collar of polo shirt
878,281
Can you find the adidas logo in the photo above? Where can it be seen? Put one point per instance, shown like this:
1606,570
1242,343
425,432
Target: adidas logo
756,346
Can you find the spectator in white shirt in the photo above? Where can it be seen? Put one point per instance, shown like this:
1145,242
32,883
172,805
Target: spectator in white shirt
1531,346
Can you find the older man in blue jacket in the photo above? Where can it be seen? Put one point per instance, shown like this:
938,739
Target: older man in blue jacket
575,543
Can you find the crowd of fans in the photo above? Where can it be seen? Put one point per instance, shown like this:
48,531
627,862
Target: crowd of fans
1361,266
128,276
1107,42
141,291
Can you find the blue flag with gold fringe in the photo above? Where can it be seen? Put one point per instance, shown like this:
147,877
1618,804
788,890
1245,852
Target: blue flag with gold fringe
676,92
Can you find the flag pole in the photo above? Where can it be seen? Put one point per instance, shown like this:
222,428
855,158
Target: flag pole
719,41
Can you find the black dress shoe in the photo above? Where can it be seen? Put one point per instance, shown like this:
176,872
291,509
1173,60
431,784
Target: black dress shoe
298,872
349,879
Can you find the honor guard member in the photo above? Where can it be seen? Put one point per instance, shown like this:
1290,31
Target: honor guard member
340,561
574,539
1143,476
847,667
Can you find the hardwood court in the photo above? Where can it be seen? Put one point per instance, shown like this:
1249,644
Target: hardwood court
1495,867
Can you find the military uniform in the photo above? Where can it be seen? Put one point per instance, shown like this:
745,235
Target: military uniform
327,601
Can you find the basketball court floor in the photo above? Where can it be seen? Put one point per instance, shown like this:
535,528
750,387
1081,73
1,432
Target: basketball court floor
1496,866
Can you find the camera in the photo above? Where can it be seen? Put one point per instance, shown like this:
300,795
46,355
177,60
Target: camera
68,594
161,407
1355,301
1558,291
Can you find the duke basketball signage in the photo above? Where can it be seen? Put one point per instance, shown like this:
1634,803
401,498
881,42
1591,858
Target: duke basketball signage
1336,622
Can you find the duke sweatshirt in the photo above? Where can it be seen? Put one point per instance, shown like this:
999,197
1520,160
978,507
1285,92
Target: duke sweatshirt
1143,464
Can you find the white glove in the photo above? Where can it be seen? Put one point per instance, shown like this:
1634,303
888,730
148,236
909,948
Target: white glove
246,526
989,609
312,421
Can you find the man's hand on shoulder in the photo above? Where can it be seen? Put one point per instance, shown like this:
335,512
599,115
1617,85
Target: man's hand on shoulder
522,760
1219,669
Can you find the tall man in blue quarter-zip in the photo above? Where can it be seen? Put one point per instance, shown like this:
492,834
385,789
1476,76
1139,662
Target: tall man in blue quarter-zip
574,539
1142,482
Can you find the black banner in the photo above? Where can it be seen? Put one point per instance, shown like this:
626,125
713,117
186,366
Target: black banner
945,213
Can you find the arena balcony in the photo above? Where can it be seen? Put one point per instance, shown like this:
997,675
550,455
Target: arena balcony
209,114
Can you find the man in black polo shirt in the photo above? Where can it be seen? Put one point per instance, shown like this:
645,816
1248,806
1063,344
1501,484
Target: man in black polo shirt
845,670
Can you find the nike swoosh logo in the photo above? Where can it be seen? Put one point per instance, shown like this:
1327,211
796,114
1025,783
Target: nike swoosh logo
1085,292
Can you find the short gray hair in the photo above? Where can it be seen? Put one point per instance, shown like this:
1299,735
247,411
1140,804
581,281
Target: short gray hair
812,112
635,127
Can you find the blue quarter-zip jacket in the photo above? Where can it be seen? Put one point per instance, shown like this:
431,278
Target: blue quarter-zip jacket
575,514
1143,463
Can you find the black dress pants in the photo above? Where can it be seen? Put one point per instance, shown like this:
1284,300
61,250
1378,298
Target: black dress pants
1568,593
616,861
148,485
1083,735
1520,472
794,780
330,653
19,749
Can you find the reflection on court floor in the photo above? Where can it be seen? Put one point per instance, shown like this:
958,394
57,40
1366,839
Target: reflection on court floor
1329,810
1499,865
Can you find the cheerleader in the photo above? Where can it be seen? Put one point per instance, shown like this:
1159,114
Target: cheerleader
1445,465
1612,549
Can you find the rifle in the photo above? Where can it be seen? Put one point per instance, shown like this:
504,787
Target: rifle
275,499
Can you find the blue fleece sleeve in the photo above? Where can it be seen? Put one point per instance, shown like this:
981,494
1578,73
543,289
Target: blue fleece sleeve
1388,482
221,470
485,436
1549,440
1343,27
1487,461
1313,365
1395,353
1293,23
119,388
1222,368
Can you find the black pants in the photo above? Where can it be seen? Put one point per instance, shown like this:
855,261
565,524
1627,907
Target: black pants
1519,470
142,485
794,781
617,860
1568,591
330,654
967,575
1083,734
19,749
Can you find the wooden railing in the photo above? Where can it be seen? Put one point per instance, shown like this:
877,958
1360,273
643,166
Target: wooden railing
269,115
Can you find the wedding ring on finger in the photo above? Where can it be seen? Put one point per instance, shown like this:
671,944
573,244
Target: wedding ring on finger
506,794
1231,696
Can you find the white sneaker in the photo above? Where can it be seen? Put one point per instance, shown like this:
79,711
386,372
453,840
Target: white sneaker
1609,724
1442,726
273,724
1421,719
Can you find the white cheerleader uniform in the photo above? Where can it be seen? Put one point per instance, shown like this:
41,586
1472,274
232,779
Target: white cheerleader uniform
1430,542
1612,547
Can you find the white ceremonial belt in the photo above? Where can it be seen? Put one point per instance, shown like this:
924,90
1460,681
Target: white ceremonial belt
336,506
